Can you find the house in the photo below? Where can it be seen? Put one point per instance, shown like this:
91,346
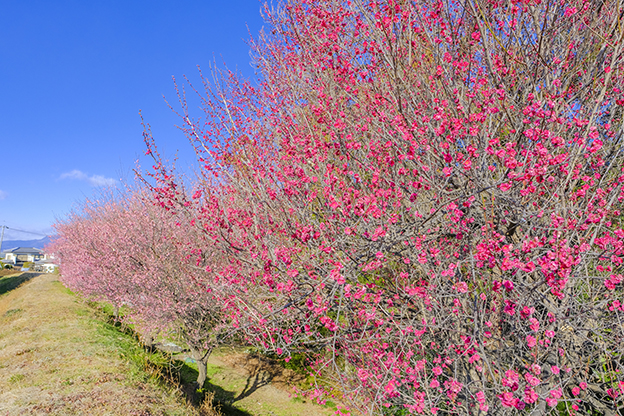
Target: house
46,266
22,254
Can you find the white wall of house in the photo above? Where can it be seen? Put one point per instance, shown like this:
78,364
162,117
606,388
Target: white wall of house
15,257
10,258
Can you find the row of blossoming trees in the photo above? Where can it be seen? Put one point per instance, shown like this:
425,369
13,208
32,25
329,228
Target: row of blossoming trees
423,196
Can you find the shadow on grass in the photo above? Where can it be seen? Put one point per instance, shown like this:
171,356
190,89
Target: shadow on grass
8,283
179,374
224,399
262,371
221,398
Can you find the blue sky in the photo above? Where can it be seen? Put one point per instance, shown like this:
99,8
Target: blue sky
73,77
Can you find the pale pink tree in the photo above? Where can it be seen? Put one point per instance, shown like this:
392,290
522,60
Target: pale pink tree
86,249
129,251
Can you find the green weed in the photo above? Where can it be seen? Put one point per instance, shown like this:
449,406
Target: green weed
16,378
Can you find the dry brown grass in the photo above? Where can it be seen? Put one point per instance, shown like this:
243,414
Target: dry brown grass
7,272
55,359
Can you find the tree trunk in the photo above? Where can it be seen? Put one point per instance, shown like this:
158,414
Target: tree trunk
148,341
201,358
202,368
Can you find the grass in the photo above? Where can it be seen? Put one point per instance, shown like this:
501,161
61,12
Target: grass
60,358
12,280
242,385
59,355
16,378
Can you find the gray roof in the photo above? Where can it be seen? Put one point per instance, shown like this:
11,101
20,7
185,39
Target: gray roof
23,250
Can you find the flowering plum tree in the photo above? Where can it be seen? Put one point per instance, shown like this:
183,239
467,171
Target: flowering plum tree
432,194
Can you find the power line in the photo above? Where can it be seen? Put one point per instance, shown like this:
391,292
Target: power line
4,227
27,232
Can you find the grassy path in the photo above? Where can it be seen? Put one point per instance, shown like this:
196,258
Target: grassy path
57,356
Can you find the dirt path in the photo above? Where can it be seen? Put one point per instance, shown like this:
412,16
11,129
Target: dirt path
57,357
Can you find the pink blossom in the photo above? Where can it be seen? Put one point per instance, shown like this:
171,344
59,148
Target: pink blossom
480,396
557,393
526,312
509,307
461,287
552,402
390,387
507,399
530,396
531,379
363,374
569,11
534,324
337,276
505,186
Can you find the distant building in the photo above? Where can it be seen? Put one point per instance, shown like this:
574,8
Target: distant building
22,254
46,266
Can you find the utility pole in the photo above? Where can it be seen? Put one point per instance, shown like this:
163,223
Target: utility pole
2,235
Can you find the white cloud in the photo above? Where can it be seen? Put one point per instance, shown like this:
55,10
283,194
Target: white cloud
94,180
3,195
